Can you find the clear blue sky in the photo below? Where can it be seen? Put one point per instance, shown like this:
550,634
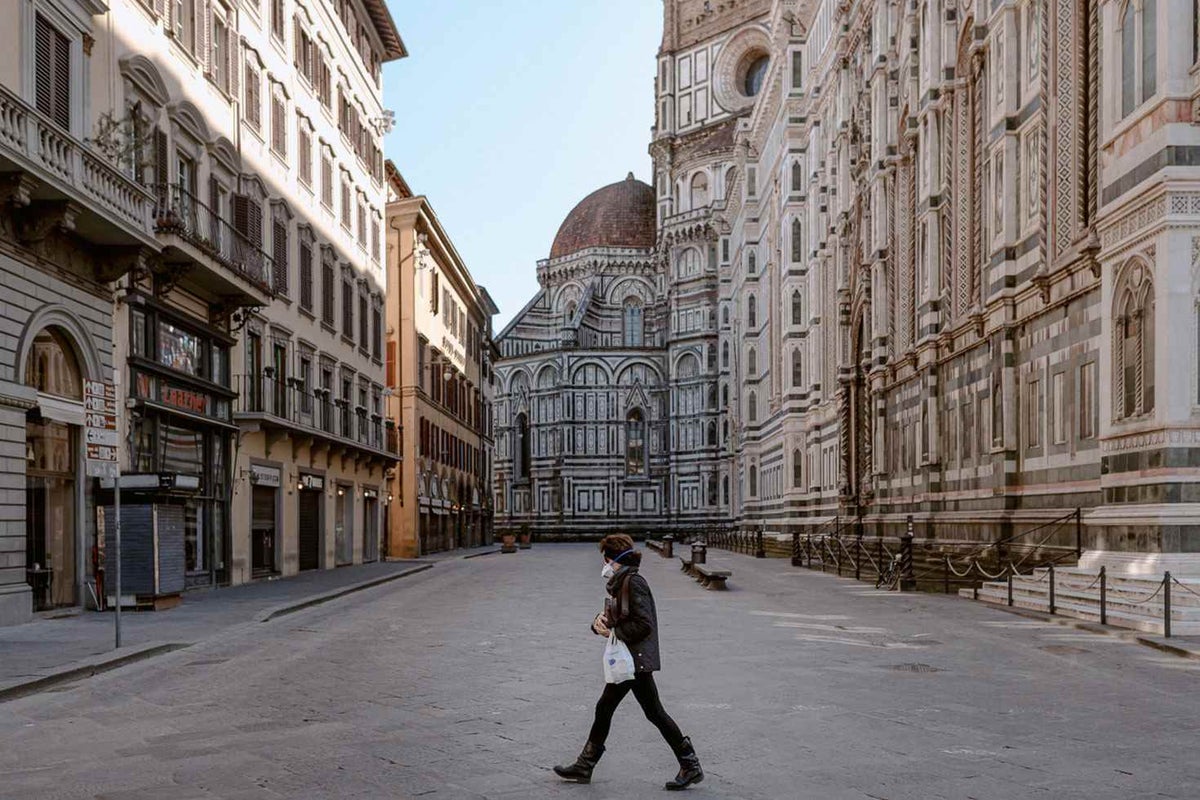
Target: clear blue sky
509,112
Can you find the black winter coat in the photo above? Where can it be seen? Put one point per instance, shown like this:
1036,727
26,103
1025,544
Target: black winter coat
632,616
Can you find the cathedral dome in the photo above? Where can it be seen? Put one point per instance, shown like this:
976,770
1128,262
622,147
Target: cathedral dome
619,215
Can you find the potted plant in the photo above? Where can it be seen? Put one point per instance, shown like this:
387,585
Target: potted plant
526,536
508,541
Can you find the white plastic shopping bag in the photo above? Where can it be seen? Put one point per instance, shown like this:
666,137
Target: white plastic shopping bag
618,661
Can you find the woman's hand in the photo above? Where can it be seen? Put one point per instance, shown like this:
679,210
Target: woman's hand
600,626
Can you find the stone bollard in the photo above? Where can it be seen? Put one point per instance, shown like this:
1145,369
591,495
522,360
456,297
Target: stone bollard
668,549
908,583
699,553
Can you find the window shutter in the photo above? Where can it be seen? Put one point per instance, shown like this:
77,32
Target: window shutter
214,207
233,55
254,223
204,9
306,298
297,45
62,81
177,18
241,214
44,65
161,164
279,244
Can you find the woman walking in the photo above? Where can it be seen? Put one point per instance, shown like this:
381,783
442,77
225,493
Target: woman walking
629,613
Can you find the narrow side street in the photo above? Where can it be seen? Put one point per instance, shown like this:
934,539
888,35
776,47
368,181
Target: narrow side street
470,680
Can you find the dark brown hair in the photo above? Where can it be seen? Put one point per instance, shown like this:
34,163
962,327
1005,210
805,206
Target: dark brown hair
615,544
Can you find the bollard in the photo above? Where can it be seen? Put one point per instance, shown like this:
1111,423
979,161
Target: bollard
1052,588
946,575
907,582
1010,598
795,549
879,554
699,553
822,554
759,550
1103,596
808,549
1167,605
858,558
668,546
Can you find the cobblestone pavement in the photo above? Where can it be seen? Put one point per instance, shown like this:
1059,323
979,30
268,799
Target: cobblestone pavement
471,679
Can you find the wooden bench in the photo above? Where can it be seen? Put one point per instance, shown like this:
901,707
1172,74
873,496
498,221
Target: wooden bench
685,564
654,544
711,578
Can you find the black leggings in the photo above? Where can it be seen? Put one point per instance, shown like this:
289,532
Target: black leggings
646,692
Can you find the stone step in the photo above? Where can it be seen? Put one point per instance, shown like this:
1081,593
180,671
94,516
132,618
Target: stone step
1119,592
1187,625
1152,609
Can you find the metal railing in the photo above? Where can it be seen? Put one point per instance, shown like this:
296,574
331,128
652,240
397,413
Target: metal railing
180,212
1042,553
288,400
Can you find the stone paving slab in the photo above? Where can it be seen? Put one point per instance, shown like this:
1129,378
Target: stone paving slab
470,680
61,644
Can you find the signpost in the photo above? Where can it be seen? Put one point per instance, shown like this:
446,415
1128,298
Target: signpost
101,439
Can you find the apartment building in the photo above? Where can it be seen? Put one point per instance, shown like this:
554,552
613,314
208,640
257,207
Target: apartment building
196,202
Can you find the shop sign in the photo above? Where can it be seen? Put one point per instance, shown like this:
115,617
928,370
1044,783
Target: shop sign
193,402
100,429
315,482
456,353
264,476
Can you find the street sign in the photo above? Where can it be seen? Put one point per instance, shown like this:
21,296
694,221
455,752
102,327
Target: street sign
100,429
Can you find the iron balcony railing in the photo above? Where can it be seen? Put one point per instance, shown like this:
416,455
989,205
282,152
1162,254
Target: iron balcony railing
180,212
315,410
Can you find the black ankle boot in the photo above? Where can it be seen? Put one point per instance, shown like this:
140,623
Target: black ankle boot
689,767
581,770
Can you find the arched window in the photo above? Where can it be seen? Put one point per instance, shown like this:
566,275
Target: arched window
797,470
699,190
725,431
752,263
725,490
725,354
52,367
635,443
725,315
797,308
797,369
688,265
1133,350
797,178
752,407
725,395
521,451
752,363
797,241
634,330
751,312
753,481
712,433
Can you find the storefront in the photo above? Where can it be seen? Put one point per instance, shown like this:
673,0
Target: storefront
265,483
53,498
343,524
310,491
370,526
180,429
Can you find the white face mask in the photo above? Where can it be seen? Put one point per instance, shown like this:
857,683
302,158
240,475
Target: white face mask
608,571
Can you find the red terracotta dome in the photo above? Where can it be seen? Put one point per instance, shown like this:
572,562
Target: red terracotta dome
619,215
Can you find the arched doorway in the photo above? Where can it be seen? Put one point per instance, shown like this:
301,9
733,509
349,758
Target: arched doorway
53,546
860,417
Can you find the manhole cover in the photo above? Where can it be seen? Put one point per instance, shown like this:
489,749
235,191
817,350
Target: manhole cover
1063,649
914,668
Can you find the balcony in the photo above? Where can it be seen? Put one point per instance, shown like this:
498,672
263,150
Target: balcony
48,168
212,256
285,405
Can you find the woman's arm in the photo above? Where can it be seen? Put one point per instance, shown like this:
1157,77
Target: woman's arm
637,625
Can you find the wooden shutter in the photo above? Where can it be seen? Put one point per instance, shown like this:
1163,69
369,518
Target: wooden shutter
241,214
214,210
306,278
391,364
297,45
52,73
161,164
279,244
254,223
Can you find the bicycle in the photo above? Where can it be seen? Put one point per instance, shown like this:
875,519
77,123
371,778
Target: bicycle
889,576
